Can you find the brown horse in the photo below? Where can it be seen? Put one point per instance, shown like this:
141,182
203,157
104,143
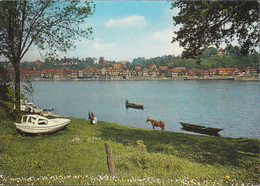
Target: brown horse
156,123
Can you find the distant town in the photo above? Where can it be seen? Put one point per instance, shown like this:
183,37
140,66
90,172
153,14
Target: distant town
101,69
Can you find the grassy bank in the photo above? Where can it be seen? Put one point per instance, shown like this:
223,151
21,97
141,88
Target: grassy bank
77,155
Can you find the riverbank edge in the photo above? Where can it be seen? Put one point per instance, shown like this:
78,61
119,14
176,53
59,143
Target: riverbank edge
52,115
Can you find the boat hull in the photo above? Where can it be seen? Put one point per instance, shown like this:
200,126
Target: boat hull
200,129
135,106
43,129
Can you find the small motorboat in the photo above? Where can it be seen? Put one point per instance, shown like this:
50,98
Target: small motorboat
133,105
26,106
36,124
29,107
201,129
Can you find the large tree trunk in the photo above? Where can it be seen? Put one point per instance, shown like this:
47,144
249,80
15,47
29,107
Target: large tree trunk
17,91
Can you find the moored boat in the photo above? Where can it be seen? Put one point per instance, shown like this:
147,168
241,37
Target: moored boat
36,124
30,108
133,105
201,129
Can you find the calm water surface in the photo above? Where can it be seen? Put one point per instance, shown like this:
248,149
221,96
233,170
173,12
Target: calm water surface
231,105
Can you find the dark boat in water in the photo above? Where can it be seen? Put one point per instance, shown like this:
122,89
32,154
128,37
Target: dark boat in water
201,129
133,105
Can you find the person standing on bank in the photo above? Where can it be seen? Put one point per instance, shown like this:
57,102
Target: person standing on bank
91,116
94,120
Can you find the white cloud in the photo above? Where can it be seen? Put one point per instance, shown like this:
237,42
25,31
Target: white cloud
164,35
103,46
155,44
130,21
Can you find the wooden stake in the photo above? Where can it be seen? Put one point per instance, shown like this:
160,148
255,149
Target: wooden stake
110,160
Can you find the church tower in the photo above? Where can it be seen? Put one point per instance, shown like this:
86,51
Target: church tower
101,63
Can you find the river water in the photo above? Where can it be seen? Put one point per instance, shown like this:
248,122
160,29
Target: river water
231,105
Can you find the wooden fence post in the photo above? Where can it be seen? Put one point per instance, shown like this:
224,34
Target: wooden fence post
110,160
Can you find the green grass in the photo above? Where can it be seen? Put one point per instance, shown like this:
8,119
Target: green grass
77,155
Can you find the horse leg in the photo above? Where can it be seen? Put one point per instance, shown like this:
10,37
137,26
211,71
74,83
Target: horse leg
162,125
153,127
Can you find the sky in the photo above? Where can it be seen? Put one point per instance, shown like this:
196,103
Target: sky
124,30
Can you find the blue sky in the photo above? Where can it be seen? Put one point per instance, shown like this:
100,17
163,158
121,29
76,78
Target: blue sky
124,30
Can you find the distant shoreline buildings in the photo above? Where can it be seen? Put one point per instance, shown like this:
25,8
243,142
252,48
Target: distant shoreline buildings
121,70
158,67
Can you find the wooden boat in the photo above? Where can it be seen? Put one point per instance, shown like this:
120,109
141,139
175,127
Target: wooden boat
133,105
201,129
36,124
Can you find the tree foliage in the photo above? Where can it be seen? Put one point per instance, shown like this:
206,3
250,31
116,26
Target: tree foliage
209,59
205,23
51,25
28,88
5,84
6,92
48,24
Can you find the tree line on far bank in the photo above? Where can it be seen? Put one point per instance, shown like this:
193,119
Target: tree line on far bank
209,59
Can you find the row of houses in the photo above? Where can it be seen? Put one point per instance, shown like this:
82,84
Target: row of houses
120,70
153,70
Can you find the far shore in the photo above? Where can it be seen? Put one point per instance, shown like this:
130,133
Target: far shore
179,78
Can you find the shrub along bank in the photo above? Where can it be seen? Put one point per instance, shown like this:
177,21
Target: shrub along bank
77,155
